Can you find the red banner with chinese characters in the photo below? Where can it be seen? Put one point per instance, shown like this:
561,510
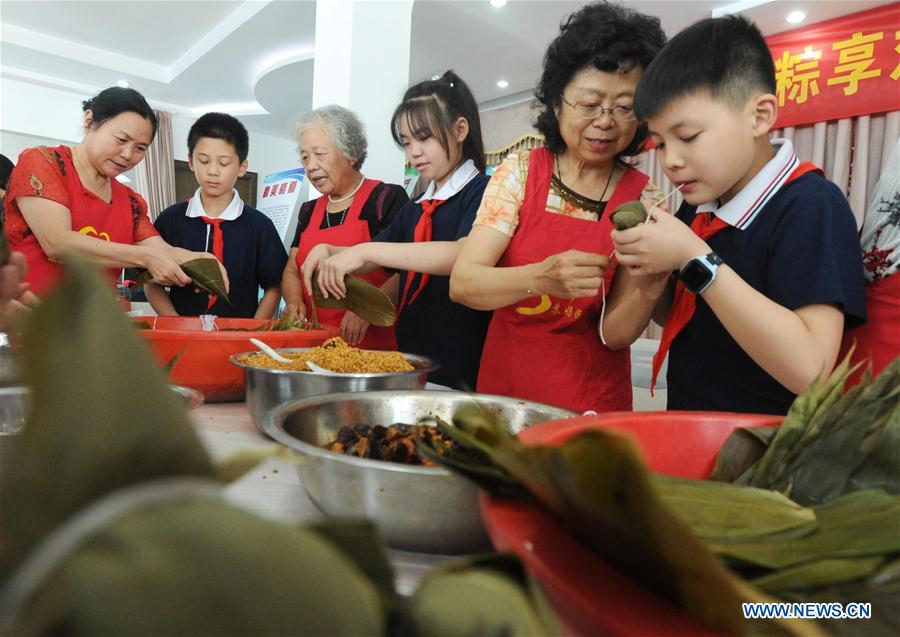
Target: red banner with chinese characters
844,67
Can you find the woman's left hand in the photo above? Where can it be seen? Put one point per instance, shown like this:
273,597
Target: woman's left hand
333,270
659,247
353,328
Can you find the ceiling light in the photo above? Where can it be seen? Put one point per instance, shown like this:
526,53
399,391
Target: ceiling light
796,17
498,3
502,84
123,84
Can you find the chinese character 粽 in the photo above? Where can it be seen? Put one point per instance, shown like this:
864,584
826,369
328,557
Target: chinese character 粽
796,76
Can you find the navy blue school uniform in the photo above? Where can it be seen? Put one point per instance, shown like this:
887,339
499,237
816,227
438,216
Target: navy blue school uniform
254,257
433,325
801,248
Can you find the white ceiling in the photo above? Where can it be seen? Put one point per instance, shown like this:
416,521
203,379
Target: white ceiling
256,57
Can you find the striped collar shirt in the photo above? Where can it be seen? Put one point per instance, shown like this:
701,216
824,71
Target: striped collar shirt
743,208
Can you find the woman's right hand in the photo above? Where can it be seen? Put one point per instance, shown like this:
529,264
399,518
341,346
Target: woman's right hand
318,254
164,267
572,274
183,256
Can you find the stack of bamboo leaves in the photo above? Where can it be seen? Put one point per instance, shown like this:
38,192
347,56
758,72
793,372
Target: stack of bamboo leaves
814,513
111,520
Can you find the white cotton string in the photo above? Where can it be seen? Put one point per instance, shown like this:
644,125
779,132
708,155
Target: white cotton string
658,201
208,323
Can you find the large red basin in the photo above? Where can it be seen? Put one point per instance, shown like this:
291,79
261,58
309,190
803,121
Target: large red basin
203,362
591,597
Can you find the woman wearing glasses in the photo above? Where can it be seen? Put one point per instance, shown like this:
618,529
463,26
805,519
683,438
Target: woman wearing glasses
539,252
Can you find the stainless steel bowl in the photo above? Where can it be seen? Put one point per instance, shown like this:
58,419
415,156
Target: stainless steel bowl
267,388
423,509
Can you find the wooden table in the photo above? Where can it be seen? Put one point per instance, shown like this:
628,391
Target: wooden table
272,490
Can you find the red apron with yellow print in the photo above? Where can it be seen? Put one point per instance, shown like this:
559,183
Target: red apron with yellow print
90,216
350,233
545,348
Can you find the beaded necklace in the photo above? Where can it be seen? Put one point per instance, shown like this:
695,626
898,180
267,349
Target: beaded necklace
573,198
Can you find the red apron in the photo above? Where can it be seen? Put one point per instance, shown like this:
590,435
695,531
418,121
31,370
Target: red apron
546,348
350,233
90,216
878,341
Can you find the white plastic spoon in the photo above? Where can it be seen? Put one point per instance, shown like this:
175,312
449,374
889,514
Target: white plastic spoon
319,370
268,350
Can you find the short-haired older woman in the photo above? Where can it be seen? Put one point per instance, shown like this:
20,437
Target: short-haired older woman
538,253
351,210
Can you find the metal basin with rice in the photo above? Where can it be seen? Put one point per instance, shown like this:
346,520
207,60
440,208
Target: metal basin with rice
416,508
267,388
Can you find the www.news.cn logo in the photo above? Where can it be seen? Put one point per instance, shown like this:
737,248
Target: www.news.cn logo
807,610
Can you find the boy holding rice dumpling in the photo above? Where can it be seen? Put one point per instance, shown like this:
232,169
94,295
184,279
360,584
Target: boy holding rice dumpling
765,249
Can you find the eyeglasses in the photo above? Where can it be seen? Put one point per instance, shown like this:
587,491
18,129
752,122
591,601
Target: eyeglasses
593,111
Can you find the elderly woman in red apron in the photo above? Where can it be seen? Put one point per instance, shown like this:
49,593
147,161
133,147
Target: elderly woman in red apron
539,252
351,210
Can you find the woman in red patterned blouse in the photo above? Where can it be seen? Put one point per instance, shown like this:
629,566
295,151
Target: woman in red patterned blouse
67,200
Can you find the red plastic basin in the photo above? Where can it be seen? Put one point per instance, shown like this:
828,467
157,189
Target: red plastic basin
203,362
590,596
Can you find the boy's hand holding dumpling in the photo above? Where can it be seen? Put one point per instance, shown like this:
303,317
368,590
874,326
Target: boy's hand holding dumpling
659,247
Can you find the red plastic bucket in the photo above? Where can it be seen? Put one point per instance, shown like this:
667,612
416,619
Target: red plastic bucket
590,596
203,362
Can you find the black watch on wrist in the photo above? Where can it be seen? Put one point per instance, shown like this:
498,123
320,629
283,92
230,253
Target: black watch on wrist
700,272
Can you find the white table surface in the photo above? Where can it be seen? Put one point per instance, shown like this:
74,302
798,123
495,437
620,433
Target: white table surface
272,490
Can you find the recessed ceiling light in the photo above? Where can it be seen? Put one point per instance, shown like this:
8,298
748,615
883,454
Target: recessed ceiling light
498,3
123,84
435,77
502,84
796,17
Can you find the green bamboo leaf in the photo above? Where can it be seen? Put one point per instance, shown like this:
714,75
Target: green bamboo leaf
96,432
725,512
861,524
470,461
206,275
819,573
489,597
817,460
614,507
741,451
363,299
628,215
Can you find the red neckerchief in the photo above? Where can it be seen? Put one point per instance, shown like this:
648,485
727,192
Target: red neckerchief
423,232
218,248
